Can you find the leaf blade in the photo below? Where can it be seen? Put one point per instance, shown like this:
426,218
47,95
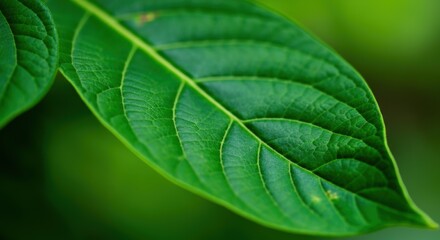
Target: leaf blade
184,128
29,56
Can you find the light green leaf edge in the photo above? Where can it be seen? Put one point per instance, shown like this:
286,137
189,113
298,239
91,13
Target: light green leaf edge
103,16
31,94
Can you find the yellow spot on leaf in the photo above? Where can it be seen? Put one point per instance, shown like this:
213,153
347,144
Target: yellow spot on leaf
332,195
316,199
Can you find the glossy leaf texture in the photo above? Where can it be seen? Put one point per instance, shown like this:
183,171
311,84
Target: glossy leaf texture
28,55
239,105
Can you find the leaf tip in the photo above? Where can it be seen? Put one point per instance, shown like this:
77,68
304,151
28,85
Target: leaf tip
427,221
431,224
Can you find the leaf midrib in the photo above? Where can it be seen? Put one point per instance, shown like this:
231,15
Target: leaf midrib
141,44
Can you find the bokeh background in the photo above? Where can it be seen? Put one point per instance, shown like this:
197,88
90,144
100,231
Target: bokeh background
63,176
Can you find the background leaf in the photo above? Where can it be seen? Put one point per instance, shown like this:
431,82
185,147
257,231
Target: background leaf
28,55
268,123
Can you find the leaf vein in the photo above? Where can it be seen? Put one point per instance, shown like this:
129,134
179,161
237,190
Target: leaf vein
263,183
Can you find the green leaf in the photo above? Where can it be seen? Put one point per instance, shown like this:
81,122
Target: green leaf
239,105
28,55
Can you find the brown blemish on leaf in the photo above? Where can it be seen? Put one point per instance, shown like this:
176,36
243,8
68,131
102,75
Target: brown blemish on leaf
146,18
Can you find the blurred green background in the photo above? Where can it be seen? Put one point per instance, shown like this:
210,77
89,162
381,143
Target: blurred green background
63,176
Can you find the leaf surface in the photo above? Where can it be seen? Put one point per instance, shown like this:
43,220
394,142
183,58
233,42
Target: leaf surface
240,105
28,55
